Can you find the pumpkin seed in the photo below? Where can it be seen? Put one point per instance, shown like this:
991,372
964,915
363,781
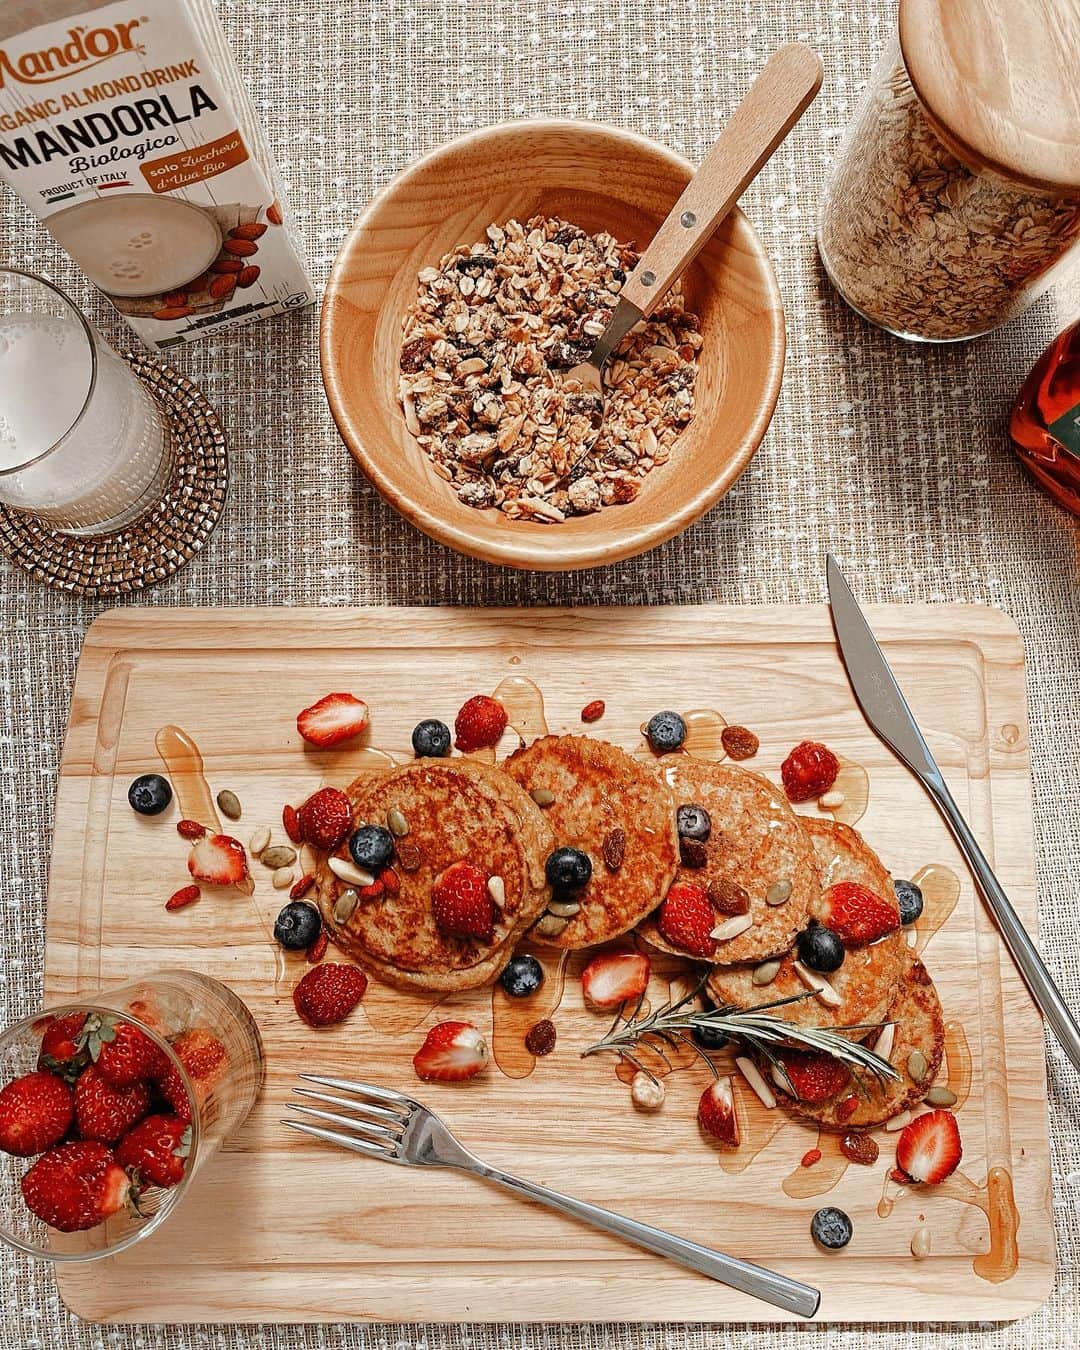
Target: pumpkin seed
259,840
564,909
917,1065
397,823
941,1096
345,905
497,890
229,804
779,893
550,926
766,972
281,855
283,876
542,796
346,870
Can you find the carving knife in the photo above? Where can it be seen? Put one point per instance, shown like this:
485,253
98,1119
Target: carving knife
887,712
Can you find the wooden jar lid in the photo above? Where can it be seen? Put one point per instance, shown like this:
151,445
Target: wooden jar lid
1000,79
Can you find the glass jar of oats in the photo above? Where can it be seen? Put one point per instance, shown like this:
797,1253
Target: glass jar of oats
956,193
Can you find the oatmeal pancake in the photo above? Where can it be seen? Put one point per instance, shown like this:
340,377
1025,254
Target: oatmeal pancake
920,1028
756,841
867,981
456,810
598,790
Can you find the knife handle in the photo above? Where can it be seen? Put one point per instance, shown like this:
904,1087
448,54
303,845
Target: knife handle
1024,952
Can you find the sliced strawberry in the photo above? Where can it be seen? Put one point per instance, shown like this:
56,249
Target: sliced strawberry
104,1112
813,1078
325,819
928,1149
461,903
480,723
614,977
35,1112
156,1150
716,1112
129,1057
686,919
63,1050
858,915
76,1186
328,993
335,718
219,860
452,1052
808,771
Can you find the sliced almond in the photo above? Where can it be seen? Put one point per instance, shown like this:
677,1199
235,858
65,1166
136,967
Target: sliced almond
749,1071
731,928
346,870
884,1043
898,1122
831,801
497,890
819,984
259,840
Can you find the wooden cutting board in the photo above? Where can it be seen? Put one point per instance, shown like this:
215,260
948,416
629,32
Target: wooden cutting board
279,1228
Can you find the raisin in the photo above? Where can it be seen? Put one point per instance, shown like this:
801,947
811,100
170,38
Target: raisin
567,235
739,742
541,1038
693,854
414,354
615,849
729,897
860,1148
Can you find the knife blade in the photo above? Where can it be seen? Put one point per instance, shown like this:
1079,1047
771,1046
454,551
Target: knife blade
887,712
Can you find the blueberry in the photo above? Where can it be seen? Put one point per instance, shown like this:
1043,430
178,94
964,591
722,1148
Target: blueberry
693,822
909,898
831,1228
568,869
371,847
431,738
150,794
665,731
297,926
523,976
709,1038
820,948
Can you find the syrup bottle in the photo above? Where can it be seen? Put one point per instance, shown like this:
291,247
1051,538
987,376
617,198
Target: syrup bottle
1045,421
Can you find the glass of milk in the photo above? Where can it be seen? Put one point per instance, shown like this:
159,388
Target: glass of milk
83,445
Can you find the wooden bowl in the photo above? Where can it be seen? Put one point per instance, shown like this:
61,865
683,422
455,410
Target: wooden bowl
599,178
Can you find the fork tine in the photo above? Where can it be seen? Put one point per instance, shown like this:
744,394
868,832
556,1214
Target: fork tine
367,1128
363,1089
352,1104
345,1140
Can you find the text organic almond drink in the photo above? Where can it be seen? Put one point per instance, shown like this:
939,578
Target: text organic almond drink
125,129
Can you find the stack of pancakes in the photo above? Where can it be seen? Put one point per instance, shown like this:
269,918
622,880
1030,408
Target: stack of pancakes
622,813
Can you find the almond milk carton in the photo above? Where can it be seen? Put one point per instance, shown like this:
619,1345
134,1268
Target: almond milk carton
125,129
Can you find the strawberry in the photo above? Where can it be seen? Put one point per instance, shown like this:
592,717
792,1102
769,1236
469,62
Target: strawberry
203,1056
155,1150
186,895
461,903
811,1077
716,1112
76,1186
130,1057
686,919
104,1112
335,718
452,1052
858,915
35,1112
928,1149
479,723
325,819
174,1094
808,771
328,993
219,860
63,1050
614,977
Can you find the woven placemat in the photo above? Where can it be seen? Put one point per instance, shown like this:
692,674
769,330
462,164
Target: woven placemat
164,537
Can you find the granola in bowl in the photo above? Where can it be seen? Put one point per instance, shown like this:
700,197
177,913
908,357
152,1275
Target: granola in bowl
492,326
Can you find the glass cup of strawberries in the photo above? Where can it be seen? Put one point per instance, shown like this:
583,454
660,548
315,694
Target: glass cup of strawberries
109,1106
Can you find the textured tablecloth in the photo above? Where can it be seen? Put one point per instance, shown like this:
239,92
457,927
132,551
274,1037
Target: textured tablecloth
890,455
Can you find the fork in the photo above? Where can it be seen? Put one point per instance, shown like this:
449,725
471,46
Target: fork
385,1124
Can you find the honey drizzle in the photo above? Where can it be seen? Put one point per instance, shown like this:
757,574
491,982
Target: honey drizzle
513,1018
395,1012
940,888
524,704
996,1200
854,782
958,1063
704,729
758,1127
184,768
349,764
822,1176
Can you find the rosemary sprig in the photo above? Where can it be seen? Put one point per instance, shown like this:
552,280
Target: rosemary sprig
670,1023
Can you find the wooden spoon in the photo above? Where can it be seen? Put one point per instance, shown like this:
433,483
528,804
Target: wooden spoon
774,103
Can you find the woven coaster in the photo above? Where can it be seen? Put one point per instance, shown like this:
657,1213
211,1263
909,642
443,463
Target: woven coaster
160,542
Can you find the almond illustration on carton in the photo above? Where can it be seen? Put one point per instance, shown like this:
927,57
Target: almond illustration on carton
227,265
248,277
247,230
273,213
222,287
173,312
240,248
